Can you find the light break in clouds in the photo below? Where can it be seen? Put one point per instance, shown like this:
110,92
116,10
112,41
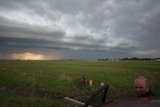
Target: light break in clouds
85,29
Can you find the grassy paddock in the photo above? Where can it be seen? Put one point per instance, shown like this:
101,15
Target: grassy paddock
45,83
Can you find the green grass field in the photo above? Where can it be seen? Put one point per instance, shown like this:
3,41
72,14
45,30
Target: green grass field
46,83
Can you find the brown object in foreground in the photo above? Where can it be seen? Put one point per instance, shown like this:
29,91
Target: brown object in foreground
95,100
140,102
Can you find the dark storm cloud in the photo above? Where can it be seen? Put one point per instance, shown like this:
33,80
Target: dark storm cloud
139,21
12,29
105,28
17,32
10,42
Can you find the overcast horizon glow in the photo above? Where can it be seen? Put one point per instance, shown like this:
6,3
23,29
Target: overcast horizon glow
79,29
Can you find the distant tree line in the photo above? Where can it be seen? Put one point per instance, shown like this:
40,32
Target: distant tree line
133,58
137,58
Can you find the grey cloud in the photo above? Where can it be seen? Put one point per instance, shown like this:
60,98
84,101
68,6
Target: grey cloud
133,26
88,39
73,7
91,10
12,29
14,4
10,42
14,35
137,21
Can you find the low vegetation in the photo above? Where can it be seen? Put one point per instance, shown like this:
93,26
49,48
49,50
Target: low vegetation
46,83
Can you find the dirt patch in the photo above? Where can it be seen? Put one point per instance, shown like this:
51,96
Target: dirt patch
86,82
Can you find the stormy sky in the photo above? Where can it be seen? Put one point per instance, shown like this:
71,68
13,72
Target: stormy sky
79,29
